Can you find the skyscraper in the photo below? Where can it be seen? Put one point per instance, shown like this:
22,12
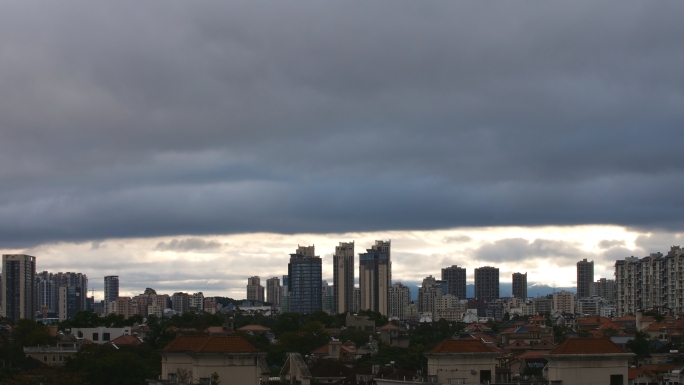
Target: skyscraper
520,285
399,300
375,277
48,292
304,273
487,283
427,294
111,290
255,292
19,286
343,277
70,279
456,281
273,291
585,278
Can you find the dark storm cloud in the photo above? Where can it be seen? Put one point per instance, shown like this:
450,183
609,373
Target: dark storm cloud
133,119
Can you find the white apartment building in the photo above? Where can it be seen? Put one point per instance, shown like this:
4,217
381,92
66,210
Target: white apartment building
653,281
399,299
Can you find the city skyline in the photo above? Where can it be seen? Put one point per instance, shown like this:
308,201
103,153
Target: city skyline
175,149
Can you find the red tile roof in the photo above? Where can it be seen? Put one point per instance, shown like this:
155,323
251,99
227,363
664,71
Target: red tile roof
633,373
389,326
210,344
254,328
593,320
462,346
587,346
532,355
125,339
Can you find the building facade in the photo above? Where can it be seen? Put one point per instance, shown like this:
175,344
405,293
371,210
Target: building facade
520,285
255,292
273,291
585,278
399,299
375,277
456,281
343,277
652,281
487,283
428,293
111,289
604,288
304,275
18,286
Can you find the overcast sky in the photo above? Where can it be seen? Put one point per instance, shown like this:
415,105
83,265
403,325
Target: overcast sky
165,126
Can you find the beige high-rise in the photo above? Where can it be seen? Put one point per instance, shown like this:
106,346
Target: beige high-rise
375,277
255,292
343,277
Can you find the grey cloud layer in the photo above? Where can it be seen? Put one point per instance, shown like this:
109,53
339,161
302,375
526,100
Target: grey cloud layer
132,119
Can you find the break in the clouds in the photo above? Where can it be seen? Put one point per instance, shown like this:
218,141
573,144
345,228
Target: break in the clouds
132,119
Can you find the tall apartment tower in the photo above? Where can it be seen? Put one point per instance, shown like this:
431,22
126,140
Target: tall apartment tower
255,292
520,285
111,290
273,291
650,282
48,292
343,277
604,288
456,281
304,272
70,279
585,278
19,286
427,294
487,283
399,300
375,277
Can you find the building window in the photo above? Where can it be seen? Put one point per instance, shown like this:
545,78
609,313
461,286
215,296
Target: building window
105,336
45,358
61,358
96,337
205,381
54,358
172,378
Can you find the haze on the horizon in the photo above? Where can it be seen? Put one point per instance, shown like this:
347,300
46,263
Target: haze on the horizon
126,125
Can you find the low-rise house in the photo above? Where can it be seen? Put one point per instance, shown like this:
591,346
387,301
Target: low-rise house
641,376
334,350
530,334
462,361
394,335
295,371
54,355
359,322
195,359
579,361
125,340
100,335
254,329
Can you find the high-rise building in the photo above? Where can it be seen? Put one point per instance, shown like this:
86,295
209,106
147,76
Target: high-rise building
585,278
19,286
304,272
327,296
375,277
48,292
70,279
180,302
255,292
427,294
604,288
273,291
399,299
111,290
650,282
285,294
69,302
487,283
456,281
343,277
356,305
564,301
520,285
197,302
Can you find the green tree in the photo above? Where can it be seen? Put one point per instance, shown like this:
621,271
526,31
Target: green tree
639,345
